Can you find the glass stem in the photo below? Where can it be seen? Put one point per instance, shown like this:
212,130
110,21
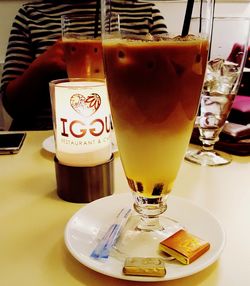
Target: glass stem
207,148
209,138
150,209
149,224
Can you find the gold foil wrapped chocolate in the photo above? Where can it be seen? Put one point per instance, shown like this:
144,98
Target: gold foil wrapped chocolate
184,246
144,266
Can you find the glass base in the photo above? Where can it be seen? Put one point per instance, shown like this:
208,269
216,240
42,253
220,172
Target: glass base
135,242
208,158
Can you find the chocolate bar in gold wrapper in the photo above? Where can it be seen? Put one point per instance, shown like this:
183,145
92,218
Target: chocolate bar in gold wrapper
144,266
184,246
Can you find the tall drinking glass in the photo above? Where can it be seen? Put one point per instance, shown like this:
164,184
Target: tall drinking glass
223,75
154,74
82,45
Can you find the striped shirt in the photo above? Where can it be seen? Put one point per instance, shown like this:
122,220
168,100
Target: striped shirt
37,26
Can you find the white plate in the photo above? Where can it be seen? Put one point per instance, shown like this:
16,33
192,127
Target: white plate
82,230
49,144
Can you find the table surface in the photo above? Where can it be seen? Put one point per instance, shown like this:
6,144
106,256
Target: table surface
33,219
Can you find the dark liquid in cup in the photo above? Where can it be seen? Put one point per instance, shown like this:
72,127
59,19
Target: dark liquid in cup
83,58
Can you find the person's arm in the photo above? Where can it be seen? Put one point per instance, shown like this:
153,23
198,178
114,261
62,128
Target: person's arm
27,91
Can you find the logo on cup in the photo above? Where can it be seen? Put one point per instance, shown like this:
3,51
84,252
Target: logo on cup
85,105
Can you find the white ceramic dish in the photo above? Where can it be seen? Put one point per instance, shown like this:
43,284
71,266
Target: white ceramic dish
49,144
82,230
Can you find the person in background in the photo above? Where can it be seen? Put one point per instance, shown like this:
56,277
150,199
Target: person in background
35,55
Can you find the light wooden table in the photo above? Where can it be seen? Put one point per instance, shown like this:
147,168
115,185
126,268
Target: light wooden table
33,218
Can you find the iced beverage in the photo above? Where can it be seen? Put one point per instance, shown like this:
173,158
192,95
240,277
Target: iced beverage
154,89
217,97
83,58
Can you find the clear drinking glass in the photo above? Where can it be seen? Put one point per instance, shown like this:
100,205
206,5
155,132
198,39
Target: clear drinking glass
82,45
221,85
154,77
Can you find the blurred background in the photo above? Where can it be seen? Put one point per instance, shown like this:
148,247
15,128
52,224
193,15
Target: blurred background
8,9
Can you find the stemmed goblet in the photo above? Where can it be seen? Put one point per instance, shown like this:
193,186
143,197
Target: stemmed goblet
223,75
154,79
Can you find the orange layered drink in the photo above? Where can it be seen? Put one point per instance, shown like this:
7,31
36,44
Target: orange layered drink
83,58
154,89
